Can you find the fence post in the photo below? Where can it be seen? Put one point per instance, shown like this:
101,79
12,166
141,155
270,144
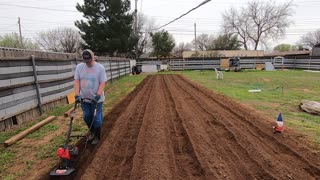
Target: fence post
125,67
36,84
118,69
76,61
309,63
111,70
203,63
128,66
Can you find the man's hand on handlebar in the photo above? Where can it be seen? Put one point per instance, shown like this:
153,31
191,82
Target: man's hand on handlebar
78,98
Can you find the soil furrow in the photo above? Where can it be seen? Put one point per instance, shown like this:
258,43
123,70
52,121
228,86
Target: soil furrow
153,158
120,144
269,142
172,128
183,149
220,134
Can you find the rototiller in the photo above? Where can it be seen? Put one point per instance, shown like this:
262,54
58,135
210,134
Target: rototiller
68,153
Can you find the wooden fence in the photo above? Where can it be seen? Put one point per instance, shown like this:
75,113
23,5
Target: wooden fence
30,85
306,63
193,64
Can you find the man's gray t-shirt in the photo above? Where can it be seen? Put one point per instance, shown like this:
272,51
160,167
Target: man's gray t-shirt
90,79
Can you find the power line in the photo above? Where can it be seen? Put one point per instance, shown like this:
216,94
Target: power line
201,4
40,8
163,18
23,1
35,20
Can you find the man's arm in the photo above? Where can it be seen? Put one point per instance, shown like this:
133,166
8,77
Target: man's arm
101,88
76,87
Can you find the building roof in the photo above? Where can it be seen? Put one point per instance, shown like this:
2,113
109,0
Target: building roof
317,45
224,53
288,53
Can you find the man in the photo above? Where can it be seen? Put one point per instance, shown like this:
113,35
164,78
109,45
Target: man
90,80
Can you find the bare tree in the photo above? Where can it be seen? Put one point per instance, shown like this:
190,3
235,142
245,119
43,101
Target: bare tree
178,50
146,26
203,42
310,39
237,23
66,40
259,21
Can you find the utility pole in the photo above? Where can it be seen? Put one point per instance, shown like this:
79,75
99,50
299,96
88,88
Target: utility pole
19,22
136,27
195,37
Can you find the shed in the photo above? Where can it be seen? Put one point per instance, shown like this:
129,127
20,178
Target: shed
149,68
316,50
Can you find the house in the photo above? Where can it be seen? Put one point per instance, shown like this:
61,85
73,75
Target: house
224,53
289,53
316,50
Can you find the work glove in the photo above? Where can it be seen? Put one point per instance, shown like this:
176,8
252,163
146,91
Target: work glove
96,98
78,98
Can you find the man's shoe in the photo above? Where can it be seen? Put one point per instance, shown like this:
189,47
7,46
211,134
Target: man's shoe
95,141
97,132
91,136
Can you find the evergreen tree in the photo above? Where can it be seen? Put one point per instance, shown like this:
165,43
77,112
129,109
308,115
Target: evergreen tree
108,28
162,43
283,47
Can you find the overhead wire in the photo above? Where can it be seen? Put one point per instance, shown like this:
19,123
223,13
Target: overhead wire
40,8
174,30
23,1
201,4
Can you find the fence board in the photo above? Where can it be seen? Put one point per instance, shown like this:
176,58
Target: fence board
11,91
56,87
15,63
19,108
57,91
50,68
54,76
15,102
7,83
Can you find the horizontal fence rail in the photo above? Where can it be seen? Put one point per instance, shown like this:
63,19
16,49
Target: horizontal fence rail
30,82
193,64
306,63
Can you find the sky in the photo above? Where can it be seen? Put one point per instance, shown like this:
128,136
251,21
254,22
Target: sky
42,15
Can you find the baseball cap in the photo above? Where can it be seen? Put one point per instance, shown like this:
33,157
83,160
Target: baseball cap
87,55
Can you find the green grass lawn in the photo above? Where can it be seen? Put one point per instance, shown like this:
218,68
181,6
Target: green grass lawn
281,91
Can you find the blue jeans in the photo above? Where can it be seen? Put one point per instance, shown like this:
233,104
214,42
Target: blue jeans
88,114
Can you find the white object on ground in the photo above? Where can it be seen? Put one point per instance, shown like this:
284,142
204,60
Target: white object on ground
269,66
311,71
255,90
310,106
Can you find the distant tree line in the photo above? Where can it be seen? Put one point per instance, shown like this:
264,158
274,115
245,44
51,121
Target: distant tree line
108,29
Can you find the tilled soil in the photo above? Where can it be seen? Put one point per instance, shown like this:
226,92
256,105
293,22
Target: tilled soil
171,128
